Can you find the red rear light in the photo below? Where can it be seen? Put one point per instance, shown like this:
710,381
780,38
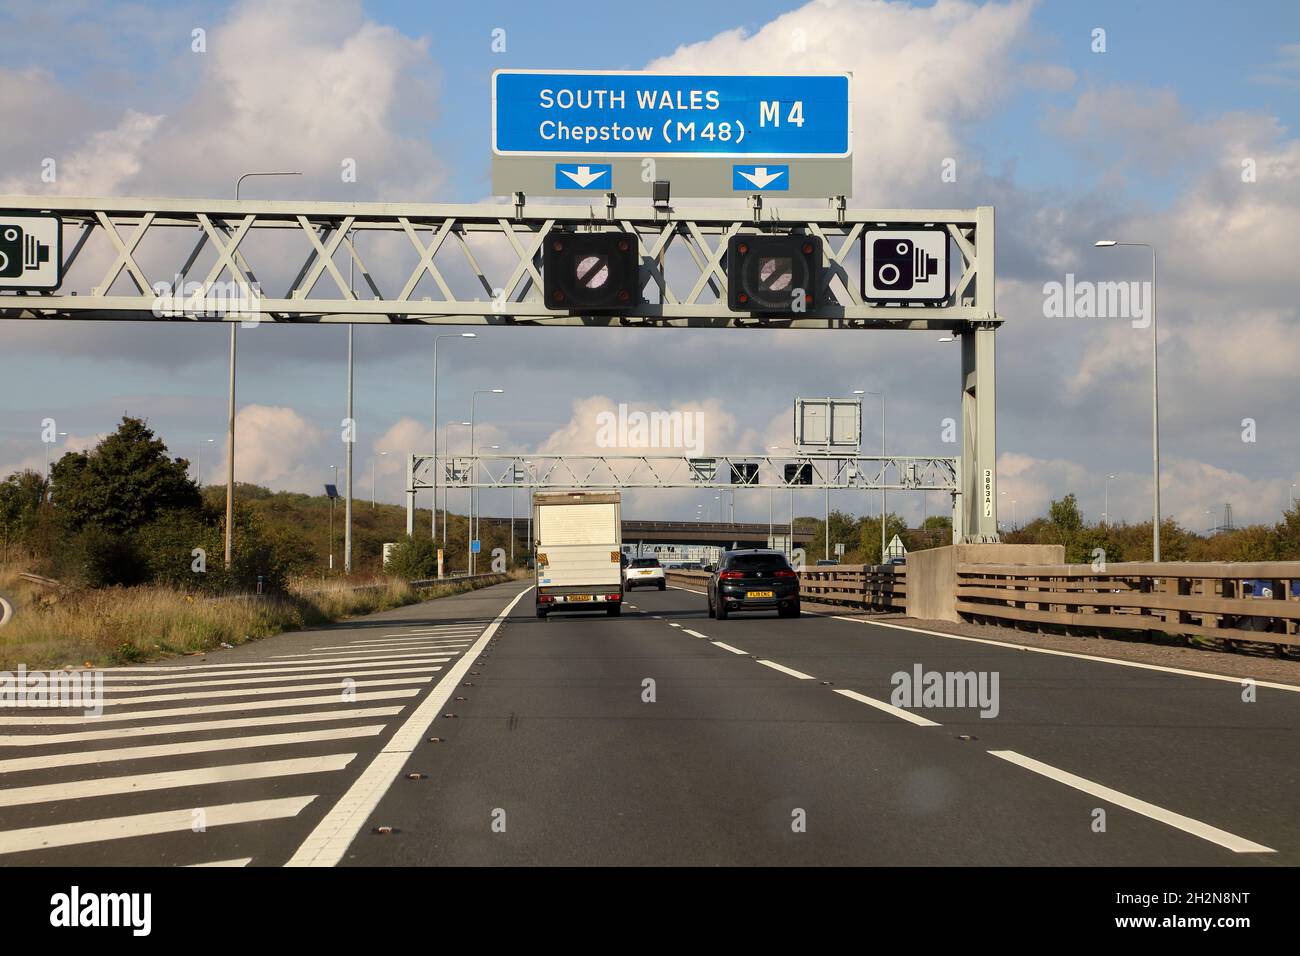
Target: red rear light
613,597
544,599
728,575
786,573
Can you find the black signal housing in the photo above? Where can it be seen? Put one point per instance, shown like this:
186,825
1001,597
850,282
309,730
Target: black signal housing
590,271
773,275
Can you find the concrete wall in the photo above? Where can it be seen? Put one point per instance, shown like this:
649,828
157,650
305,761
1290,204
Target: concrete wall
932,574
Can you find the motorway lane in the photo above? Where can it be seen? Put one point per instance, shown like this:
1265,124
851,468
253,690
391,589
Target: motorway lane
1188,744
555,758
232,758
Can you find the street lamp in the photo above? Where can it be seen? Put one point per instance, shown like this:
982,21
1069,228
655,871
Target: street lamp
789,545
456,335
883,508
47,455
445,489
473,498
230,424
372,482
198,465
333,498
1105,514
1155,398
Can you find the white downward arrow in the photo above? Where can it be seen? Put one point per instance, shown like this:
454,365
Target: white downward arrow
584,177
760,176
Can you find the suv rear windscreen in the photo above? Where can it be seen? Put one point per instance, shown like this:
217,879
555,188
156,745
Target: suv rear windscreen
756,562
645,562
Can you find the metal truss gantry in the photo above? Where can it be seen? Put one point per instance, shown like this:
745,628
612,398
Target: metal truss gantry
168,259
702,473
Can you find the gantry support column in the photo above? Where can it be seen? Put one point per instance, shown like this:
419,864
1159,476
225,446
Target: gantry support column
979,449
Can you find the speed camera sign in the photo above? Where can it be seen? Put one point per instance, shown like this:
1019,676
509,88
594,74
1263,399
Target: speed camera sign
31,251
905,265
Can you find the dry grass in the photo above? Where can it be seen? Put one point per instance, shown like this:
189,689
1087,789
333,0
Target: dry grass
122,625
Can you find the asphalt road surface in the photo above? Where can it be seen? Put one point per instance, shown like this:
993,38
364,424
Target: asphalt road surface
657,737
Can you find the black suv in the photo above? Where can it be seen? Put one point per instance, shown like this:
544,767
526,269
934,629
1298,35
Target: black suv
753,580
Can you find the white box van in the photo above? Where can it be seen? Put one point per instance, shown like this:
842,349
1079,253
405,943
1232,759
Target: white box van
578,541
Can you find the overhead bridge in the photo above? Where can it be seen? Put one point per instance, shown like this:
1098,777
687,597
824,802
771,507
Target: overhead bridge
723,534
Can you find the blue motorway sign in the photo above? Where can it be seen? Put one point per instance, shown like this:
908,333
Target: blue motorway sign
474,546
539,113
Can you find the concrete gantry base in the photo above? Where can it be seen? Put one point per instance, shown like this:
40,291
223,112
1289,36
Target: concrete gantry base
932,574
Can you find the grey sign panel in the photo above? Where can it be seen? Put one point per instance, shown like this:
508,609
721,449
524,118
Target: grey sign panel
31,251
827,422
905,265
569,133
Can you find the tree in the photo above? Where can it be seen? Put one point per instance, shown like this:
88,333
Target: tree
123,483
21,496
1065,514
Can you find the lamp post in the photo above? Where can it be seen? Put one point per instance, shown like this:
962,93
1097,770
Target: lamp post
883,500
456,335
372,483
333,498
789,544
1155,398
473,498
198,465
529,475
1105,514
47,454
230,424
445,489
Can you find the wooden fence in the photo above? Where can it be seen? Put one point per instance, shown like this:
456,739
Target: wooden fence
1231,602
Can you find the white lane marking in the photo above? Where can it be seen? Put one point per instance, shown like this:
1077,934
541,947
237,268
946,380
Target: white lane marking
695,633
326,844
677,587
357,656
439,631
244,681
1223,838
91,757
787,670
242,861
197,726
728,647
172,779
671,624
656,617
288,672
1083,657
277,662
889,708
210,708
260,691
405,639
430,646
148,824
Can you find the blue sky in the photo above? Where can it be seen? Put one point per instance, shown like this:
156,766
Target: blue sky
1143,140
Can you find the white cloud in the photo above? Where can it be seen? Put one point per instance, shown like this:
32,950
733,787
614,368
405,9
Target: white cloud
275,446
919,73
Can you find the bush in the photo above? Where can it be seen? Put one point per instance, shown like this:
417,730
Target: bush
415,559
98,557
